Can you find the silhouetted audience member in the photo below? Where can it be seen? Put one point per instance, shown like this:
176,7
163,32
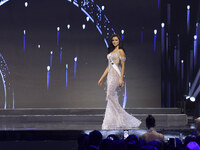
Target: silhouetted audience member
198,139
151,133
119,145
156,144
106,144
189,139
175,144
147,147
193,146
95,138
83,142
132,142
197,126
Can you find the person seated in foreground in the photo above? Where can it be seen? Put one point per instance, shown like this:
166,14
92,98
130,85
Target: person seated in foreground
151,134
95,138
197,126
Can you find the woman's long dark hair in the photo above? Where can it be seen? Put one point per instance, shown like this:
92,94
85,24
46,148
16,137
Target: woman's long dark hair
111,46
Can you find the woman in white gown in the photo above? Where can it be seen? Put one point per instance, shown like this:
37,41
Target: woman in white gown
115,116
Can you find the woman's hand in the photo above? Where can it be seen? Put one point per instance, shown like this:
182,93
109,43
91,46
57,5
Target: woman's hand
120,82
100,82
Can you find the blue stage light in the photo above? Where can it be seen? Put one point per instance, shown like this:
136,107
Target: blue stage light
39,46
24,41
51,58
48,76
125,96
75,66
87,18
61,55
155,39
66,75
188,19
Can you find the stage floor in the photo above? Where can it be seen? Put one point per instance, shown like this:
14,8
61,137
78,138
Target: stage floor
83,118
50,127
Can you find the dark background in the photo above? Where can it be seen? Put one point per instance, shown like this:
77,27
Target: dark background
41,19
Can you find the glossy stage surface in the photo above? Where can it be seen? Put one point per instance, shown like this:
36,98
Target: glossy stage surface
43,128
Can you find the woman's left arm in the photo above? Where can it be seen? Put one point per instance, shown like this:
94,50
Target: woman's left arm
122,65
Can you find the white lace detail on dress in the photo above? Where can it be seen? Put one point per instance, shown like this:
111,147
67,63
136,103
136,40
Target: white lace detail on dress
115,116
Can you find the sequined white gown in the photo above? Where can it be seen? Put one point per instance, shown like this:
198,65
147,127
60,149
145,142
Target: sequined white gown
115,116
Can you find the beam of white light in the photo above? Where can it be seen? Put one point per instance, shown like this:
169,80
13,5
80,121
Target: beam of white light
106,42
194,83
99,30
3,2
83,10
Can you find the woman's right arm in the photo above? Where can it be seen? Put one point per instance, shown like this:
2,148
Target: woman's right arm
102,77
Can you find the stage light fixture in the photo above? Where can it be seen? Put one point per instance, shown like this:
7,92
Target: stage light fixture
51,52
155,31
58,29
68,26
182,61
195,37
188,7
102,7
87,18
38,46
24,32
26,4
162,25
122,31
83,26
48,68
75,59
66,66
192,99
187,97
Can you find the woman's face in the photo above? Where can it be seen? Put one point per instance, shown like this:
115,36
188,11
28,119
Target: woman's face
115,41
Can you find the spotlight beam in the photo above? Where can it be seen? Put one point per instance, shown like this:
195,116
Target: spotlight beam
194,83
